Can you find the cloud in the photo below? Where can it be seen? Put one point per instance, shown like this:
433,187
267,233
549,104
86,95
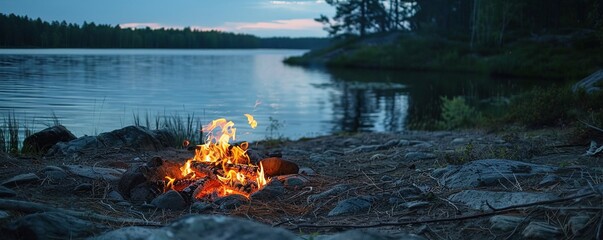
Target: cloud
299,5
290,24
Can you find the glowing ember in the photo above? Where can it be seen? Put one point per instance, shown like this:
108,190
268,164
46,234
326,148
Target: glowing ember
228,169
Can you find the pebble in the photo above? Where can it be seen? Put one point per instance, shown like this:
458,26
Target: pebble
505,222
201,206
540,230
352,205
578,223
413,156
231,201
274,189
169,200
307,171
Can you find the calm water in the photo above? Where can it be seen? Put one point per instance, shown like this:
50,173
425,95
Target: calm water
93,91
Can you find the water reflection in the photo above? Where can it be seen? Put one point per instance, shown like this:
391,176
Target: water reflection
92,91
369,100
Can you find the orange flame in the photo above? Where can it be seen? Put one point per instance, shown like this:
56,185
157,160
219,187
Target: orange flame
218,152
252,122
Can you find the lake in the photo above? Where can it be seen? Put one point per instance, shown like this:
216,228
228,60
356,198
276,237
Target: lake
97,90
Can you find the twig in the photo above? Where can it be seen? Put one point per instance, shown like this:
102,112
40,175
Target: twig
591,126
495,211
39,207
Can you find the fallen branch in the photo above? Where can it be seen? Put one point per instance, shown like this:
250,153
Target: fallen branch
30,207
461,218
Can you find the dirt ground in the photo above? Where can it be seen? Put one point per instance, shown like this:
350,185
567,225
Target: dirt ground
378,173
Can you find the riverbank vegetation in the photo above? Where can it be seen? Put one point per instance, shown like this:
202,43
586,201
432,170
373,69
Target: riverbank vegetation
555,107
24,32
557,40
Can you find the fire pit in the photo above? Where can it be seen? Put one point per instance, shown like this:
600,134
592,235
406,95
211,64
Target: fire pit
217,169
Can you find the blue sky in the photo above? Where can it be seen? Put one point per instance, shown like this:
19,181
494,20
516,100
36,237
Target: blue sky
263,18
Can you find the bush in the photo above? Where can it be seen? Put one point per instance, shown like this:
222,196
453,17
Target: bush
456,113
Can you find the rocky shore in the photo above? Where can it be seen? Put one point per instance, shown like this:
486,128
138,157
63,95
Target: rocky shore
410,185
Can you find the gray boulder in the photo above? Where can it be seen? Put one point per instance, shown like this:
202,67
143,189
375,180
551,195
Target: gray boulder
477,199
52,225
138,138
488,172
43,140
220,227
367,235
129,233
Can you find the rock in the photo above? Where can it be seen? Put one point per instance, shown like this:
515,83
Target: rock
6,192
74,147
55,176
505,222
220,228
458,141
488,172
414,204
169,200
307,171
141,193
84,187
276,166
578,223
294,181
352,205
52,225
337,189
590,84
129,233
43,140
115,196
386,178
477,199
96,173
549,180
4,215
413,156
201,206
138,138
366,235
273,190
231,201
540,230
130,179
21,178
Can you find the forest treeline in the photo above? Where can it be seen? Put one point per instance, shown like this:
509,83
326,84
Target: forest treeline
479,22
24,32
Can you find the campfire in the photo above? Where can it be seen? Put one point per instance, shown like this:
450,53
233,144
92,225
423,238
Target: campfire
218,168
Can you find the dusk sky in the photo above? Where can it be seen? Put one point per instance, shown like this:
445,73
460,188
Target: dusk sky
264,18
